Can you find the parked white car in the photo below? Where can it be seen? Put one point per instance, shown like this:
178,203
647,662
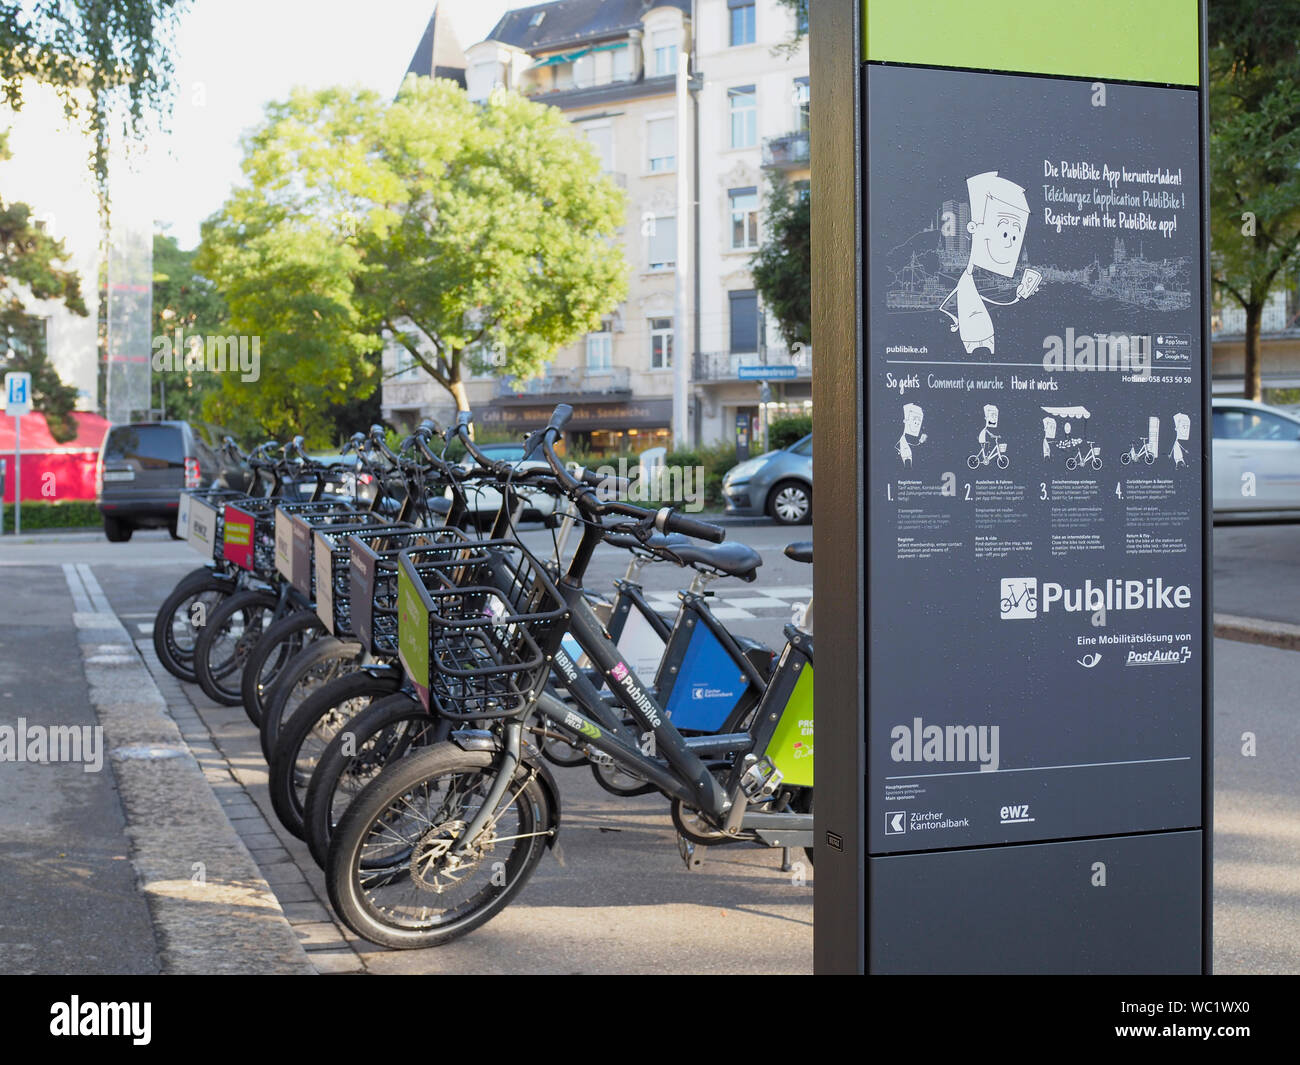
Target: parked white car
1256,457
484,502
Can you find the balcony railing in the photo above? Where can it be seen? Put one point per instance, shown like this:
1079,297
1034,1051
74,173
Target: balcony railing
716,366
574,381
790,151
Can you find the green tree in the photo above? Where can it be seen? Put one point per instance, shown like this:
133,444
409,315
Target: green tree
782,266
98,54
185,304
1254,53
800,8
32,266
446,226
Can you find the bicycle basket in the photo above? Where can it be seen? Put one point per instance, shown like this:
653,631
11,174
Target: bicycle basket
372,576
285,513
304,570
473,620
332,562
201,516
248,536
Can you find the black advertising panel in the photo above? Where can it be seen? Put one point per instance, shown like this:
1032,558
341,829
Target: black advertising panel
1034,468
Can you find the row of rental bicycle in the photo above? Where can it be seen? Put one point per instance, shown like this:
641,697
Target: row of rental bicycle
414,676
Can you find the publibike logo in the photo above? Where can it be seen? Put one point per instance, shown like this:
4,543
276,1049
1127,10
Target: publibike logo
1023,597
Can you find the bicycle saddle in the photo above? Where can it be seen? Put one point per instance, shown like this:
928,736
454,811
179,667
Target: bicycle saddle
733,559
799,552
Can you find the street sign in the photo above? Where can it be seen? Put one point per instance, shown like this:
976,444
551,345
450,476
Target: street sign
18,394
766,372
1031,602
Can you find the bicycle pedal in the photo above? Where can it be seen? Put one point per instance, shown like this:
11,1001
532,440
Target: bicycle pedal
692,855
760,780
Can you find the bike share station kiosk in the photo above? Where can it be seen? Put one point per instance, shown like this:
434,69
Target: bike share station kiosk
1010,318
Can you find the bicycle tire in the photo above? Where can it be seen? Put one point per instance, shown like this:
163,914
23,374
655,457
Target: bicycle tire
176,653
1125,459
316,664
466,772
217,672
385,731
282,641
973,461
608,774
328,708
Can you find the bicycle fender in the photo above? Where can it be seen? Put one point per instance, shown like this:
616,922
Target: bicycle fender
472,739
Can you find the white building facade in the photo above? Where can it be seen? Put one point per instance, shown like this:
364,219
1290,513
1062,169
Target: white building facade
611,66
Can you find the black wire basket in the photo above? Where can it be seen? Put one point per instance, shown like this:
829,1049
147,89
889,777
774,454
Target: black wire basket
474,624
293,523
201,517
332,565
372,576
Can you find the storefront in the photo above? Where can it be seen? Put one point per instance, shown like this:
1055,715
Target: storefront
599,426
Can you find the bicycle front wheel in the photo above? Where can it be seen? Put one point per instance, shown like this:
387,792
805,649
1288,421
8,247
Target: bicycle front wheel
391,875
227,640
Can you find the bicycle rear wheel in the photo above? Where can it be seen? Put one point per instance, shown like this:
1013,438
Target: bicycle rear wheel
390,875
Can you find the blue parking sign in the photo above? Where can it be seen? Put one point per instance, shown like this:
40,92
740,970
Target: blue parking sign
18,394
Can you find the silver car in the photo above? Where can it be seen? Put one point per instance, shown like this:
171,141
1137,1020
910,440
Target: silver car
778,483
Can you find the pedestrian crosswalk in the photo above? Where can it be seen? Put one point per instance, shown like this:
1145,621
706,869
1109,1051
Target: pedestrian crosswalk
740,603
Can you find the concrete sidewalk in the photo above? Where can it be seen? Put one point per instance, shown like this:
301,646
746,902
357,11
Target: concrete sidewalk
159,881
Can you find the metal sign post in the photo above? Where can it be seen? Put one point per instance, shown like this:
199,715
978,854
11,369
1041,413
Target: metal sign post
1008,209
18,401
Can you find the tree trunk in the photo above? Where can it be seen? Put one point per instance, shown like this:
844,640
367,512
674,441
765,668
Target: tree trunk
1253,384
457,389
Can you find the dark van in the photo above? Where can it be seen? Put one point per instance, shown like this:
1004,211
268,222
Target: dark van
143,467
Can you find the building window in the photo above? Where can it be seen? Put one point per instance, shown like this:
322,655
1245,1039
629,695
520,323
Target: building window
664,43
600,349
622,70
803,189
662,243
742,21
744,217
661,343
742,103
584,72
661,135
744,320
601,139
802,97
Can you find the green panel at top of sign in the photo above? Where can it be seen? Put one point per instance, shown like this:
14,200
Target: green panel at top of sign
1118,40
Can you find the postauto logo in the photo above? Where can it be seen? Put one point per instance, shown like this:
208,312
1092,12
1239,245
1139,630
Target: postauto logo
1022,597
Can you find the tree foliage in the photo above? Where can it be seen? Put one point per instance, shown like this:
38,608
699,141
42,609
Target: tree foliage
450,227
782,266
32,266
1254,155
110,60
800,8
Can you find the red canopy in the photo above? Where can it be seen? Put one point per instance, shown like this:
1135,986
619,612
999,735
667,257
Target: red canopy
54,471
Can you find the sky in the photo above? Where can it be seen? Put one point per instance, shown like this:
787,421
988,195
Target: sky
234,56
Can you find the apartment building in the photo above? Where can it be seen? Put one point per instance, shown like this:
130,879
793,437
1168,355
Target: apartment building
754,115
611,67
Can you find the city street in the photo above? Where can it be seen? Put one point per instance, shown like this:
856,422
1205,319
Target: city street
622,901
